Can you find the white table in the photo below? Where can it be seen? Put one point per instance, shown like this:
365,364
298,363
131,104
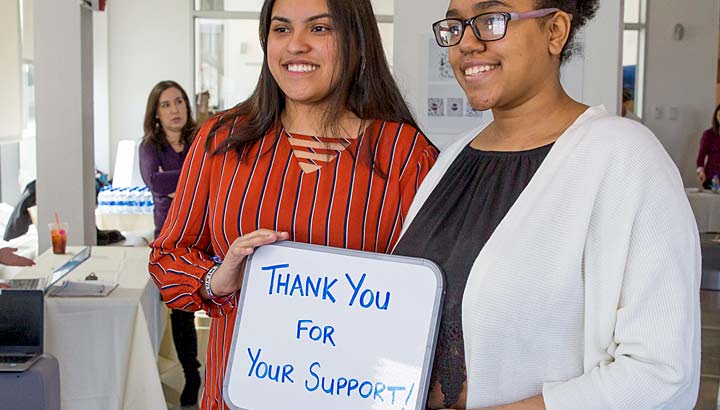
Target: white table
137,228
107,347
706,207
125,222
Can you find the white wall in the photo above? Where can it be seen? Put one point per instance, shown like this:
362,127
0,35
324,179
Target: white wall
682,75
413,19
10,100
64,75
148,41
602,57
101,78
28,43
384,7
595,78
28,164
10,74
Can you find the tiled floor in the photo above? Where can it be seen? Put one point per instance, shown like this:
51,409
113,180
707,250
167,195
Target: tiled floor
171,373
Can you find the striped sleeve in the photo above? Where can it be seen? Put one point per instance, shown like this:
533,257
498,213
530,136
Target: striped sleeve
179,258
422,157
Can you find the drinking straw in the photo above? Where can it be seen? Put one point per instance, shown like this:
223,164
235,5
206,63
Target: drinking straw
60,230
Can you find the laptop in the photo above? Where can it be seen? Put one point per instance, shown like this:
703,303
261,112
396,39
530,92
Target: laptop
21,328
54,277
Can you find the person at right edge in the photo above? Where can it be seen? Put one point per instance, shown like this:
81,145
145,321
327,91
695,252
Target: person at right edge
571,252
708,160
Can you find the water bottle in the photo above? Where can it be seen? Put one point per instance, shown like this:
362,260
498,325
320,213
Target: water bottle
103,200
112,200
123,204
128,201
107,200
147,201
141,200
134,200
150,201
117,200
715,183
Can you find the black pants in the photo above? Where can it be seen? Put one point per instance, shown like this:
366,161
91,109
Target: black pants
185,339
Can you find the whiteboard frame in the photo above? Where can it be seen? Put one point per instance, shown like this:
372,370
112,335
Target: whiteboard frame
435,320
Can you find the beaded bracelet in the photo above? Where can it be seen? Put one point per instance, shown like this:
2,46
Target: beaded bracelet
208,277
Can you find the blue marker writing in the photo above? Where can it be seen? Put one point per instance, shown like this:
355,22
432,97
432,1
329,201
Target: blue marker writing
263,370
367,297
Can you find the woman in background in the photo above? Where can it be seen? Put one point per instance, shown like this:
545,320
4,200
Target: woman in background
169,131
708,161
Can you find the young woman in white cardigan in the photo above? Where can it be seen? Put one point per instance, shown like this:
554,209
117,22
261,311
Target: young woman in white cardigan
571,253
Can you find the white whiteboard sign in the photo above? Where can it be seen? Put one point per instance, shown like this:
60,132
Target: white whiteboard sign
328,328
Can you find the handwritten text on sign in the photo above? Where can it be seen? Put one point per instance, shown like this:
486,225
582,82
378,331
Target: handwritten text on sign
284,283
328,328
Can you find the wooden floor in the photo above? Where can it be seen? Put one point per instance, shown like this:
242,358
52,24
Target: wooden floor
710,355
707,400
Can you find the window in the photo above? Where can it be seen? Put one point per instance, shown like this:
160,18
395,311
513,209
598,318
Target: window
227,70
634,55
228,57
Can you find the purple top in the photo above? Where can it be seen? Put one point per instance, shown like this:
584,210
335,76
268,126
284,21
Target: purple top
710,150
161,183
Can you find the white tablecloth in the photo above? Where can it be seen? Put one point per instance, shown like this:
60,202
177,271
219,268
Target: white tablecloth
107,347
125,222
706,207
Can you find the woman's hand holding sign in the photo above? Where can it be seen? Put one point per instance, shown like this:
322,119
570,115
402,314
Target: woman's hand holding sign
228,277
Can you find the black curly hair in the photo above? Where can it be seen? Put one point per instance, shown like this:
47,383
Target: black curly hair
581,11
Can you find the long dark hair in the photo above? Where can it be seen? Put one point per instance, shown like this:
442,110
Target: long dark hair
365,86
716,125
154,132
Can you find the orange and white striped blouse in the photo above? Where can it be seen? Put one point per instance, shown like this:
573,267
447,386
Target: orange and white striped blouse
312,187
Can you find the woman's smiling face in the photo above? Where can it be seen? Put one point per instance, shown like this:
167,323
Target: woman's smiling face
505,72
302,50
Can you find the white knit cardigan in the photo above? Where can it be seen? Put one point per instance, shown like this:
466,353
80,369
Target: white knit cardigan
587,292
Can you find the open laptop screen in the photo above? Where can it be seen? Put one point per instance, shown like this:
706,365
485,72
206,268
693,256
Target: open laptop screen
63,270
21,321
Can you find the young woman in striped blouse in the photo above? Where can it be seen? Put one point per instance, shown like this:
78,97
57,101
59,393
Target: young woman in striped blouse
325,152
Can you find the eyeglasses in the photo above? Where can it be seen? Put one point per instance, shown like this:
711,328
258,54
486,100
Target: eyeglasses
486,26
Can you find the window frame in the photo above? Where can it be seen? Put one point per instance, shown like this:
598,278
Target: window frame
641,27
